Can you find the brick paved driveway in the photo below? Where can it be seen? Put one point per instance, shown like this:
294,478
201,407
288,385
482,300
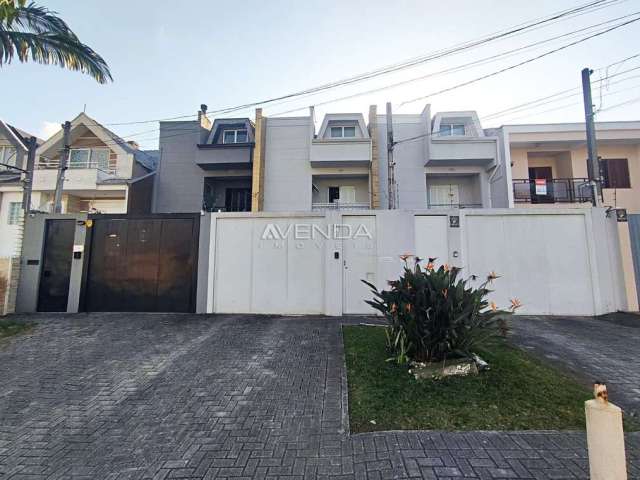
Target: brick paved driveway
178,396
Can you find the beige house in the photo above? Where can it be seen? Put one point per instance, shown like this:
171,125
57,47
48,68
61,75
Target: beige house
102,170
549,168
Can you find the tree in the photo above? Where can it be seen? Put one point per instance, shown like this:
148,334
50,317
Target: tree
32,32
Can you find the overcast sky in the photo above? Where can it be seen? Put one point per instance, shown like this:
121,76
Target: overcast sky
169,57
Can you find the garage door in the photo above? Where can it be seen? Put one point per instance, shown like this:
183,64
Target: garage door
543,260
269,265
141,264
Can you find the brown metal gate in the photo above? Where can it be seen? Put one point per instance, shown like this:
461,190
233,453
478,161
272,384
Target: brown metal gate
141,263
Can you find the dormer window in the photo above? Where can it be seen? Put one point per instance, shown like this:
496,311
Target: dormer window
452,130
343,132
235,136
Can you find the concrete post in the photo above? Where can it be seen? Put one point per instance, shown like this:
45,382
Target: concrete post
374,177
257,194
605,440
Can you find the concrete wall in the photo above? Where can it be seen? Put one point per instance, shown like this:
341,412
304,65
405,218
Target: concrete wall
179,180
31,265
287,169
9,234
563,262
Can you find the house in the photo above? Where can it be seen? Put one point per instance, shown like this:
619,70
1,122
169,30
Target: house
105,174
444,161
286,164
13,152
204,165
548,168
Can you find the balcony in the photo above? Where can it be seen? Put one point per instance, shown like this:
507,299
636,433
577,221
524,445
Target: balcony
341,153
557,190
223,156
321,207
453,151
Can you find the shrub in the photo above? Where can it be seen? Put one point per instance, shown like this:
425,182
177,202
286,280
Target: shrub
434,315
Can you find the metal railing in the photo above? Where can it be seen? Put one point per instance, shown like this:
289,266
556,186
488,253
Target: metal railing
557,190
454,205
47,164
340,206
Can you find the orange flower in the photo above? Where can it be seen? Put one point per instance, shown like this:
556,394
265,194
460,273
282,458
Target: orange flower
405,256
394,308
446,267
492,276
430,266
494,307
515,303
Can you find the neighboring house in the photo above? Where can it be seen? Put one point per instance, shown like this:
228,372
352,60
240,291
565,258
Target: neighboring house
442,162
306,171
205,166
549,169
13,151
105,173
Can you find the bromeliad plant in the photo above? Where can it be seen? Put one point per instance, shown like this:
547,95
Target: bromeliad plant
434,315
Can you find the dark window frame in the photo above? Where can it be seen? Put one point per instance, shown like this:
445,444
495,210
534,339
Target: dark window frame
615,173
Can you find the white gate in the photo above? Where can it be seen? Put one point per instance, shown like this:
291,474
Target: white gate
360,263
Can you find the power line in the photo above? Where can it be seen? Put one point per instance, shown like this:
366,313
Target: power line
523,27
511,67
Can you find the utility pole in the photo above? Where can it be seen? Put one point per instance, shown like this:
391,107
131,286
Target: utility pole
593,163
62,167
32,145
391,178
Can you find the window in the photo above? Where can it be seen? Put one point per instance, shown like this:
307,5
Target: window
451,129
89,158
343,132
7,156
15,210
234,136
343,194
615,173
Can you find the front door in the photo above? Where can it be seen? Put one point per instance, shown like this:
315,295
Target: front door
359,262
541,184
444,196
53,293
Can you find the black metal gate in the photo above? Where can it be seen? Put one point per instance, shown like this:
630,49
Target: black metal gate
53,291
141,263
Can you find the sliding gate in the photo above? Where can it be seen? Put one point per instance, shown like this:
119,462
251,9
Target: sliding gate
141,264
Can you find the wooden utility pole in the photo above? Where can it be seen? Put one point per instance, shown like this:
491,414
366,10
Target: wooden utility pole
32,145
62,167
593,163
391,178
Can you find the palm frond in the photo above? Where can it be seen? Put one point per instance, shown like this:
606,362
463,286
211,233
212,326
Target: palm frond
56,49
35,33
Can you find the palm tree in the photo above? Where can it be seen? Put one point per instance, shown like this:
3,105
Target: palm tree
35,33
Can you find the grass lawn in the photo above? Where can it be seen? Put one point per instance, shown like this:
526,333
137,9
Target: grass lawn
11,327
517,393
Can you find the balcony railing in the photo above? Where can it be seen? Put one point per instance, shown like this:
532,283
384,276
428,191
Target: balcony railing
47,164
339,206
557,190
454,205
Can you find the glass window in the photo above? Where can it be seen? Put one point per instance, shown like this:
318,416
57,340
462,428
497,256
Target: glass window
336,132
8,156
349,131
100,158
79,158
234,136
342,132
15,210
449,129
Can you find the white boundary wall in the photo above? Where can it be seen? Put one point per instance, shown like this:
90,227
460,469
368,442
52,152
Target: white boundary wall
556,262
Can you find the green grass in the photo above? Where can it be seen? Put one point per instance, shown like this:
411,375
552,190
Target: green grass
518,393
11,327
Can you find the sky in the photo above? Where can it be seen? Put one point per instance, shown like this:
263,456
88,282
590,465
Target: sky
167,58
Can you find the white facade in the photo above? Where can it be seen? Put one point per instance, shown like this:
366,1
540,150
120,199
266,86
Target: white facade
561,262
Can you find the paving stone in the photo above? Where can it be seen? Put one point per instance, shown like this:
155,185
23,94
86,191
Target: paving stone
107,396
